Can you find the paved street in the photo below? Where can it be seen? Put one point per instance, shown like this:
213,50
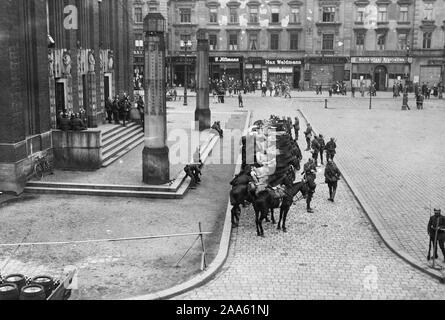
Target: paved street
335,252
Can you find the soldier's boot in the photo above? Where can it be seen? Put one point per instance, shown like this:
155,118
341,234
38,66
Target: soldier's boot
330,194
333,194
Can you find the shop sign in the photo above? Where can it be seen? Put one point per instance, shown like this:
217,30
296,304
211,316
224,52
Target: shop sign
327,60
280,70
381,59
287,62
225,59
183,60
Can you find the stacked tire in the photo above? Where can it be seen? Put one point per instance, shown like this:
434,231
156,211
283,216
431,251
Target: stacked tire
17,287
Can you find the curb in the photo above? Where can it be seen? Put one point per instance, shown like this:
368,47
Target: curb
215,265
379,225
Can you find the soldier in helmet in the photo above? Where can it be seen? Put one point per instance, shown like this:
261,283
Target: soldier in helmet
436,231
309,172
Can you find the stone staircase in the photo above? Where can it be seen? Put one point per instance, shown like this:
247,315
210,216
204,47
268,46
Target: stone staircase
119,140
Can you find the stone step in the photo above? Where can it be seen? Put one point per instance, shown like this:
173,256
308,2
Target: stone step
110,193
107,136
61,185
122,149
118,135
120,140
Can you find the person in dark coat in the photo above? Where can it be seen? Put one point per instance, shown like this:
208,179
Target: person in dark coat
331,175
240,100
436,225
65,123
115,110
296,127
315,150
194,171
217,126
308,135
330,149
309,172
322,146
109,109
77,124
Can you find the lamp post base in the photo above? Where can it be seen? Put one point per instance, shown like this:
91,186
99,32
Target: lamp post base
155,165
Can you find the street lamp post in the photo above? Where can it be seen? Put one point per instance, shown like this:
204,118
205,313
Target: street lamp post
370,88
185,46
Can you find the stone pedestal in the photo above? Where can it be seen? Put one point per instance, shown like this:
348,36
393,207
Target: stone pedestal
202,113
155,165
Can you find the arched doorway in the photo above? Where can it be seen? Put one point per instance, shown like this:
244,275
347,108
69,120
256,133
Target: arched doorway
380,75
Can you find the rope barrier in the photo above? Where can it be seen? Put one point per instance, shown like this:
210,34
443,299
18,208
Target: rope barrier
104,240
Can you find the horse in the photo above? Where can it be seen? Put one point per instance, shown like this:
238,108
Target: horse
288,200
239,193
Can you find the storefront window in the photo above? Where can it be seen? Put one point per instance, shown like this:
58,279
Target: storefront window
403,13
274,41
253,15
328,42
328,14
294,41
138,40
213,15
428,11
253,40
427,40
213,41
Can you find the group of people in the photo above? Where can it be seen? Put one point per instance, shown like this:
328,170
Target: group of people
119,109
71,121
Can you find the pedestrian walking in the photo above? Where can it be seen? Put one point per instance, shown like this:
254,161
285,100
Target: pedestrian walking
309,172
240,100
419,101
330,149
331,175
296,127
353,91
315,149
308,135
322,146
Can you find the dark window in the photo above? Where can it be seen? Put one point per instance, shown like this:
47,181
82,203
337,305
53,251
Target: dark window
213,41
138,14
328,14
253,42
427,40
253,15
213,15
381,41
233,41
293,41
233,15
274,41
275,17
360,41
185,14
328,42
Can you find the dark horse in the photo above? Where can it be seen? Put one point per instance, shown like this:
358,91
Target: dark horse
239,194
266,200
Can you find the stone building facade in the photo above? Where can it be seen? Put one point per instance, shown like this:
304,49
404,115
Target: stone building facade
313,42
56,55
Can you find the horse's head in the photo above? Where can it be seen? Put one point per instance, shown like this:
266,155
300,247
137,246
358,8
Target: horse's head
303,188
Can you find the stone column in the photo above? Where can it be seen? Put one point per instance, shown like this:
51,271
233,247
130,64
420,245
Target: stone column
155,156
202,112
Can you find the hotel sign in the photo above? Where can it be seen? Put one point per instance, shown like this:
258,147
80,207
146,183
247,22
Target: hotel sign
380,60
286,62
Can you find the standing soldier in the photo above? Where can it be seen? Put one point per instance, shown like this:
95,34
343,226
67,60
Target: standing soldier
309,172
330,149
296,127
419,101
109,109
308,134
315,150
322,147
436,232
331,175
115,109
